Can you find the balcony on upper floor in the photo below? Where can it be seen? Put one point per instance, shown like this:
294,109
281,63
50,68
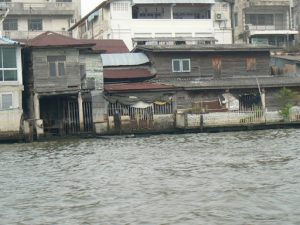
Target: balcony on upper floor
251,3
171,11
48,8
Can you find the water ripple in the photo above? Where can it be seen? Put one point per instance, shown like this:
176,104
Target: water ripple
222,178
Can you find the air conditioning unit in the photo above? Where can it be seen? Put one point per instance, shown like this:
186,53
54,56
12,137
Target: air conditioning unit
219,17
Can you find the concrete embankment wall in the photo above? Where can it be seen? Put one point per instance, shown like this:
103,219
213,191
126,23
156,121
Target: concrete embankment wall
10,123
187,121
228,119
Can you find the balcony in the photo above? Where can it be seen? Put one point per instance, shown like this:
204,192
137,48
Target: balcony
267,3
166,27
52,8
267,27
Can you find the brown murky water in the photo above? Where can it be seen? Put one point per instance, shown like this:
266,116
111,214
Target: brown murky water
224,178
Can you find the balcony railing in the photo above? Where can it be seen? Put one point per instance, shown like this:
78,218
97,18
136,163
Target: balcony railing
267,27
268,3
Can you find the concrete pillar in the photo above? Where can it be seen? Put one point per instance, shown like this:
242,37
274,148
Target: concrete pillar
80,110
36,105
100,109
38,123
263,98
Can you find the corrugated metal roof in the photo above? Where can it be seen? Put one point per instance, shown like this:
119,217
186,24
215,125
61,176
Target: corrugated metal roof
173,1
289,57
124,59
136,87
205,48
7,41
233,83
126,73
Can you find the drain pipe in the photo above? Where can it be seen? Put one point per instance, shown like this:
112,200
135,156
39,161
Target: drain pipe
231,4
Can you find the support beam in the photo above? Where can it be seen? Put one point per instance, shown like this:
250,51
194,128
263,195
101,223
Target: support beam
80,110
36,105
263,98
38,124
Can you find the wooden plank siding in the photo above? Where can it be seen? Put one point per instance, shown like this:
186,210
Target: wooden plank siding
233,64
43,82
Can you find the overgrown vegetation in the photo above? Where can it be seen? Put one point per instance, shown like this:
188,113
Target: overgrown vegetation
286,100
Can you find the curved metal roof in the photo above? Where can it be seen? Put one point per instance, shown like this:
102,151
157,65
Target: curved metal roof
124,59
7,41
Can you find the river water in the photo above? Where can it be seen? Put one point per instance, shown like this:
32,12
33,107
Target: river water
211,178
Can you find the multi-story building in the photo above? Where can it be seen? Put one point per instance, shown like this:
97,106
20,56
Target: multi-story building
296,17
11,87
163,21
264,22
26,19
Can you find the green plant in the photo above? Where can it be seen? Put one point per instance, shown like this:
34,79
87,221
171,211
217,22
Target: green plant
286,100
285,111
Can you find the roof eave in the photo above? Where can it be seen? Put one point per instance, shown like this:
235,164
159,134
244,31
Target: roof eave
87,15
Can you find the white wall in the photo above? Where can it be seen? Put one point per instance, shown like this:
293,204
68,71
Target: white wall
115,22
11,118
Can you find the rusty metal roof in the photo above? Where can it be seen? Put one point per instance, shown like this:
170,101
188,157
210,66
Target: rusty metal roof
108,45
52,39
126,73
142,86
266,81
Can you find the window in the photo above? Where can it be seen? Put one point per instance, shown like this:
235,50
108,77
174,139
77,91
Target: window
35,24
6,101
10,24
56,65
8,64
120,6
251,64
260,19
236,22
181,65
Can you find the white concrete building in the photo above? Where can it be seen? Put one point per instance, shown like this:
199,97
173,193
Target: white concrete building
29,18
161,21
11,87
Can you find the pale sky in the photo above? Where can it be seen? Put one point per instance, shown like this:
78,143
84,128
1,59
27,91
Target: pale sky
88,5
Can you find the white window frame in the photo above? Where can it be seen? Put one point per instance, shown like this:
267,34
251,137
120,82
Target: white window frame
3,69
181,70
12,100
57,71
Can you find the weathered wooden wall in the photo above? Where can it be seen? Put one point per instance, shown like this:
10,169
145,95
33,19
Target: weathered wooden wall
43,82
233,64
